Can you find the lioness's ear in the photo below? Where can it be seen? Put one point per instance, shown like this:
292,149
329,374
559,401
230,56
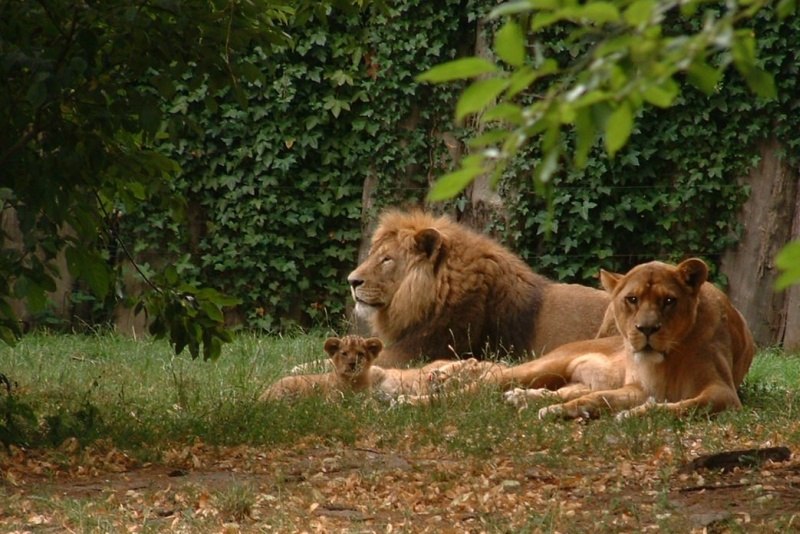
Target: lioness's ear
693,272
332,344
609,280
374,347
429,242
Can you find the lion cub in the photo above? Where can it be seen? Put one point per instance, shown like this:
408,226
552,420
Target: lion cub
351,357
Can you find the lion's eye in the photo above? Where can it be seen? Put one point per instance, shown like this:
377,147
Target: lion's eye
386,259
632,299
670,301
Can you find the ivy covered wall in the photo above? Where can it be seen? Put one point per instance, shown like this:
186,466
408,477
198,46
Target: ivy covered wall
274,188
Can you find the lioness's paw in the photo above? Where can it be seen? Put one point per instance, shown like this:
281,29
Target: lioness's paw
552,412
637,410
517,397
564,411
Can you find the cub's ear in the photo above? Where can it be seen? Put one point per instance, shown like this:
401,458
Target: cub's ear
609,280
332,344
430,242
374,347
693,272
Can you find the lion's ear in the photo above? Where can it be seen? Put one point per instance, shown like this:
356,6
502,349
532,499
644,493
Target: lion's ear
693,272
429,241
374,346
332,344
609,280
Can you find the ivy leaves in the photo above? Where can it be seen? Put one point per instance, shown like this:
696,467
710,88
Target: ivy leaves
622,60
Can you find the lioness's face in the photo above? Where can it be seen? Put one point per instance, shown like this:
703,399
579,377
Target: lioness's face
352,356
375,281
655,304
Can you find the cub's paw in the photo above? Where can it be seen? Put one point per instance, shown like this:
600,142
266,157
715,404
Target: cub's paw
517,397
450,371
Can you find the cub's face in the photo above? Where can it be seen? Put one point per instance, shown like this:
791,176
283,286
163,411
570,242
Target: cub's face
655,304
352,356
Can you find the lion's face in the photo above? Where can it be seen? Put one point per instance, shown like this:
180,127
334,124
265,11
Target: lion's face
352,356
655,304
376,280
400,268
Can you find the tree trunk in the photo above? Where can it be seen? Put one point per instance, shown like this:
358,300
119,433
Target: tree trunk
791,326
770,221
485,205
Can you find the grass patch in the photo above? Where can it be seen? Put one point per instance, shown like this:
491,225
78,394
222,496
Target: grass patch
142,398
468,458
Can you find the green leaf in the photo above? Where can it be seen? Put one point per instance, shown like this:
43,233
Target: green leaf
504,111
490,137
618,128
703,76
599,12
639,13
451,184
509,43
788,261
522,6
458,69
743,50
585,136
761,82
662,95
786,8
548,166
479,95
37,94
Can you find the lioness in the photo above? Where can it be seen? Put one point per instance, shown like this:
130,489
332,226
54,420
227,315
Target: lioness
683,346
352,359
432,288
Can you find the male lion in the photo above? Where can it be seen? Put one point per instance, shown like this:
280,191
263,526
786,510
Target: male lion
683,346
352,359
432,288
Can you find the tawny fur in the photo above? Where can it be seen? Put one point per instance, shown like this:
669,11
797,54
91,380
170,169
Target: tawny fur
352,360
432,288
683,347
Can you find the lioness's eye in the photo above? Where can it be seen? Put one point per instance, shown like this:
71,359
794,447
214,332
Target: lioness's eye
669,301
631,299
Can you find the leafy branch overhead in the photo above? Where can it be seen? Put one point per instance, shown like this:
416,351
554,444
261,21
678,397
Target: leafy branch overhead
622,60
81,88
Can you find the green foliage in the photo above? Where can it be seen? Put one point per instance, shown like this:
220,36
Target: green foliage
623,56
274,188
671,191
788,261
80,92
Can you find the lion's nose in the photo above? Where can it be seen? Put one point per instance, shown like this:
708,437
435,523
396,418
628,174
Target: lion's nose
649,329
354,282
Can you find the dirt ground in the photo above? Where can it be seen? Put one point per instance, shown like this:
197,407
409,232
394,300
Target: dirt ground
313,487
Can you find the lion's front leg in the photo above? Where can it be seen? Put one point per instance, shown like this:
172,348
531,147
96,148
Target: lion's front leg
595,403
713,399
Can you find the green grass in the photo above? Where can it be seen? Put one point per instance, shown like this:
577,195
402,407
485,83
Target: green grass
143,398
